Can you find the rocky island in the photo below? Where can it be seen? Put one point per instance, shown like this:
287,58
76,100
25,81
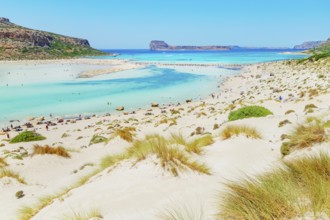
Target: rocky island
162,45
17,42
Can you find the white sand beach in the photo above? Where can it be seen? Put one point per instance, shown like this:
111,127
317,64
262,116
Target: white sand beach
143,189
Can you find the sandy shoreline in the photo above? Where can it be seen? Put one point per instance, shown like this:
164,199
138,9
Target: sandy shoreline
143,190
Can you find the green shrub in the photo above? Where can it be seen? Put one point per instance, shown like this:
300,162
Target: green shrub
249,112
96,139
27,136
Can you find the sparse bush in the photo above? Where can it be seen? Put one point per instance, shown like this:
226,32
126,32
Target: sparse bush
27,136
235,130
249,112
59,151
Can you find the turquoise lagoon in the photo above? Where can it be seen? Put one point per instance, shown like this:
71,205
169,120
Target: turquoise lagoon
28,90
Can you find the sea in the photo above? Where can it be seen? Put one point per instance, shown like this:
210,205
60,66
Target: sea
44,89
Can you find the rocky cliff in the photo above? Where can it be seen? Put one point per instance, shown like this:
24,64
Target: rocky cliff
162,45
17,42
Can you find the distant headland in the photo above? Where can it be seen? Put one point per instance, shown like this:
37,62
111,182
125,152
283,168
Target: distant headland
17,42
159,45
162,45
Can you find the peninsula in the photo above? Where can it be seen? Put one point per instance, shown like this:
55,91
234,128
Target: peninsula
17,42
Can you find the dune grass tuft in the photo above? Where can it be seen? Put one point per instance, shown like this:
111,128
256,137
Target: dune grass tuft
93,213
304,136
194,146
236,130
300,186
171,158
3,162
96,139
182,212
126,133
59,151
11,174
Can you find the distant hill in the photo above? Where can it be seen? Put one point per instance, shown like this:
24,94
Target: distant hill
162,45
309,45
17,42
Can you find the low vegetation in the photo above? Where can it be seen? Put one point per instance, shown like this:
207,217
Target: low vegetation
171,158
182,212
125,133
96,139
27,136
303,136
194,146
249,112
236,130
11,174
59,151
92,214
301,186
3,162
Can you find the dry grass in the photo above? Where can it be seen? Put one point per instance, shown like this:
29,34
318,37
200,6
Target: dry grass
304,136
182,212
93,213
126,133
59,151
171,158
236,130
194,146
28,212
301,186
11,174
197,145
3,162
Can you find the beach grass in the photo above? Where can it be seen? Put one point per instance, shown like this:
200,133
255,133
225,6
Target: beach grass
299,187
11,174
171,158
42,150
194,146
182,212
126,133
96,139
304,136
3,162
84,215
28,212
236,130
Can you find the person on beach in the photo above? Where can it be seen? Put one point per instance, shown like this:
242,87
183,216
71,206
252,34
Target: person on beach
8,136
47,127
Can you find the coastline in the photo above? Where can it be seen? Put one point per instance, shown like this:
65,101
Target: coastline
257,84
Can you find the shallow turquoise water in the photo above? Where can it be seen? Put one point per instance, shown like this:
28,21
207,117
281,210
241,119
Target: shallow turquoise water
226,57
44,89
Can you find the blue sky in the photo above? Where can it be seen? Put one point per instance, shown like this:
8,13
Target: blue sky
134,23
